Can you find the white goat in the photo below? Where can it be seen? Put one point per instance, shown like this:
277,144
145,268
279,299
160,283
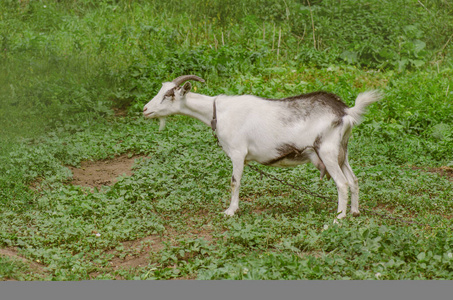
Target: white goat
313,127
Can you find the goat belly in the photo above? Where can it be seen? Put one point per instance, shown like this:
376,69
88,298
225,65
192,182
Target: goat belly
290,156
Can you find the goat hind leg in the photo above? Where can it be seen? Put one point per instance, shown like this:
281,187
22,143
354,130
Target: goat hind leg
354,186
330,160
317,162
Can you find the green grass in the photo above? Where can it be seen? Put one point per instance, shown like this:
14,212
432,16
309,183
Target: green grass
14,269
66,65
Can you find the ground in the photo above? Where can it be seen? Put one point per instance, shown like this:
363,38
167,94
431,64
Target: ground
137,253
95,174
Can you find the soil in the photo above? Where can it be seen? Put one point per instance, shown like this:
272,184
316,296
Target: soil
12,254
138,253
443,171
95,174
120,112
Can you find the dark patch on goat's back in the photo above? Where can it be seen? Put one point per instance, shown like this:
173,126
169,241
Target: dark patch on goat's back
312,100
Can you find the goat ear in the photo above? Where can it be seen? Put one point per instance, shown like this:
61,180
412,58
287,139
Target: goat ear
186,88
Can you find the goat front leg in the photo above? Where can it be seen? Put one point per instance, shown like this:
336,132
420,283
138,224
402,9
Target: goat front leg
238,168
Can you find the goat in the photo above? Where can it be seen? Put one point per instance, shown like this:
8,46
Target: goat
312,127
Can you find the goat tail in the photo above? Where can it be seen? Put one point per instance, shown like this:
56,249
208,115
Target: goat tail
355,114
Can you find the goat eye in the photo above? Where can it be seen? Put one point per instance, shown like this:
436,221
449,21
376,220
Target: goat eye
170,93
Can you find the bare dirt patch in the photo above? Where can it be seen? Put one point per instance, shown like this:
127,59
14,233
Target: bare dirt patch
95,174
12,253
442,171
139,253
134,254
120,112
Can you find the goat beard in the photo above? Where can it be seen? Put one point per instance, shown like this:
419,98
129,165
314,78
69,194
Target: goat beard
161,124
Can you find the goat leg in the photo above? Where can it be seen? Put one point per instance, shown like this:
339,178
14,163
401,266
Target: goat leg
238,168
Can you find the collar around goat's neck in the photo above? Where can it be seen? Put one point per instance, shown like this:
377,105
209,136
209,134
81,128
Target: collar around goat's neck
214,121
214,117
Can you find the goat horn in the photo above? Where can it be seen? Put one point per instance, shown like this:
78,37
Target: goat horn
177,81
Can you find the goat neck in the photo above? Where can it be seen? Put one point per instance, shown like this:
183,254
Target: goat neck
198,106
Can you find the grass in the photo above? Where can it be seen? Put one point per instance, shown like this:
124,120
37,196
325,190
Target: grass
11,269
67,66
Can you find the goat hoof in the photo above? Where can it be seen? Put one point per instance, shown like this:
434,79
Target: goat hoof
356,213
229,212
341,216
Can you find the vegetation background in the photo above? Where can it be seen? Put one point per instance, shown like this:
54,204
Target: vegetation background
74,76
